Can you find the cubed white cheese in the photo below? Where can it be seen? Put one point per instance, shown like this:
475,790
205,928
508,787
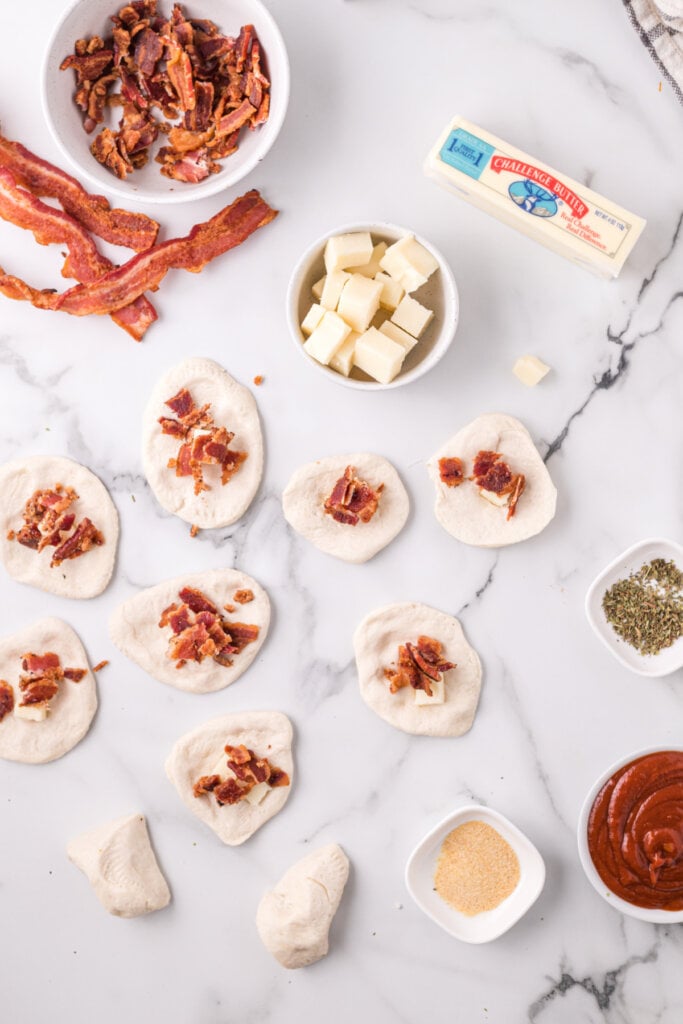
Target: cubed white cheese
496,499
327,338
342,360
530,370
391,294
371,269
312,319
32,712
256,795
351,250
378,356
359,301
409,263
411,316
438,693
317,289
407,341
332,289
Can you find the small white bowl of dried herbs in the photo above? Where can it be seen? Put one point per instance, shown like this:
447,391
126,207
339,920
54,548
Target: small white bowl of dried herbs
635,607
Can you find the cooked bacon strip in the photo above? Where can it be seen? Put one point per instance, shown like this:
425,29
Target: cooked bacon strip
491,473
418,666
121,227
85,536
352,500
451,471
6,699
84,262
144,272
247,770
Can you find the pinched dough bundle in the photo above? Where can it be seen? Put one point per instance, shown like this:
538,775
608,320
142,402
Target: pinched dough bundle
294,919
351,518
45,727
119,862
75,555
140,629
473,519
377,641
211,482
200,754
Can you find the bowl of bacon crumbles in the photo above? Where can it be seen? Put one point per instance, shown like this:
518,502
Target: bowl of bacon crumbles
165,102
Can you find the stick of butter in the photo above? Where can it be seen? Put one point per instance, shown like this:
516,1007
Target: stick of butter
544,204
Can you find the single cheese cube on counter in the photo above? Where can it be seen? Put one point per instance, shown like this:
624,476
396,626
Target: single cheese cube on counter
342,360
391,294
327,338
372,268
317,289
312,318
530,370
438,693
378,356
412,316
359,301
407,341
332,288
409,263
350,250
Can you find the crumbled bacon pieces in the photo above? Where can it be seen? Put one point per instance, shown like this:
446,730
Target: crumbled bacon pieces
258,380
42,674
419,665
243,596
194,530
204,444
451,471
352,500
48,522
246,771
200,631
100,665
182,67
6,699
491,473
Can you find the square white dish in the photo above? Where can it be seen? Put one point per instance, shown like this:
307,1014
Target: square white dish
668,660
490,924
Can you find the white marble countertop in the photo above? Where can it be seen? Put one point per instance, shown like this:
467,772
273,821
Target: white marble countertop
374,81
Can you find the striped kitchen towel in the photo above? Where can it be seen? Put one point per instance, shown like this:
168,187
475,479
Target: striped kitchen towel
660,26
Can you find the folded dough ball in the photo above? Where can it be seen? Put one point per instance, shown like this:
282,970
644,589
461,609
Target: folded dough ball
293,920
200,754
119,862
54,568
43,730
473,519
355,488
135,628
377,640
230,406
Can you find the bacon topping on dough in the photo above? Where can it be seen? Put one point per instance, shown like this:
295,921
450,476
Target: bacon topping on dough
6,699
451,471
48,522
204,444
42,674
185,69
419,665
243,596
491,473
246,771
200,631
352,500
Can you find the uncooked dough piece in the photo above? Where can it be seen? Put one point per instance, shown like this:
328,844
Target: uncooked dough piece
304,498
233,407
294,918
472,519
71,710
376,642
119,862
134,628
268,734
82,577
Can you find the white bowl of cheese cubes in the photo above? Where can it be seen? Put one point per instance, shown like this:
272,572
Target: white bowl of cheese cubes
372,306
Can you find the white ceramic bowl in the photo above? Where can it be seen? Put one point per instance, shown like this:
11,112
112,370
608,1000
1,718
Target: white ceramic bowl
668,660
439,294
642,913
491,923
89,17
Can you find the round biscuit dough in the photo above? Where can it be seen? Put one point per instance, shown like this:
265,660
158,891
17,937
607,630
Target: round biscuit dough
232,406
376,642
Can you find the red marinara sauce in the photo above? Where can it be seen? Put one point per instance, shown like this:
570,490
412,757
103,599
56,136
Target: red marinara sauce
635,831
